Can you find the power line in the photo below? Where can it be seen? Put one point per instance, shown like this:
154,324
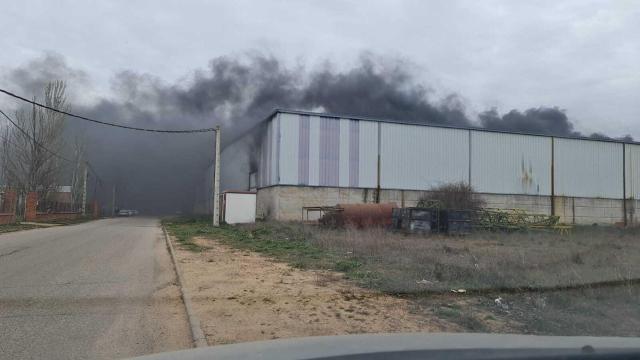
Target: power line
104,122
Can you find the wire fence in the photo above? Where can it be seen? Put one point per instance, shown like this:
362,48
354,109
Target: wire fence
49,207
4,208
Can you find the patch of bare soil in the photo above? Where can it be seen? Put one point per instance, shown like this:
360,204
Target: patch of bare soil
242,296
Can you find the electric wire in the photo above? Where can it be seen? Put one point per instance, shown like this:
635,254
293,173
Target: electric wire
105,122
42,146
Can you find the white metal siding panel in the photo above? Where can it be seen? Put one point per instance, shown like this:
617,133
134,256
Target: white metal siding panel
510,164
343,176
632,160
314,150
368,154
265,155
275,150
419,158
289,138
329,151
588,168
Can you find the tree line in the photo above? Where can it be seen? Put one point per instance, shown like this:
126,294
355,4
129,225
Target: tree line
37,154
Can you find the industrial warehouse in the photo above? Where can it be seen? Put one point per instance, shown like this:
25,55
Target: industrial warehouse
296,159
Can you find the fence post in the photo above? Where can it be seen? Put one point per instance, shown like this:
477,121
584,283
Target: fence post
96,209
31,205
8,208
10,198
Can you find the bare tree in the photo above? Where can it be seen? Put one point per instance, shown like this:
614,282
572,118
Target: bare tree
28,161
79,169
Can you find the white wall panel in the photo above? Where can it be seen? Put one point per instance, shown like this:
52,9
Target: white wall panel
344,153
588,168
275,151
289,137
632,160
510,164
368,154
239,208
314,151
264,165
419,157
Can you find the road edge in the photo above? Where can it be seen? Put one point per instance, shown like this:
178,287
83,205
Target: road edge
199,340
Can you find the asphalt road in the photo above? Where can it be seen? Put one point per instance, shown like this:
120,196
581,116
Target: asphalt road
103,289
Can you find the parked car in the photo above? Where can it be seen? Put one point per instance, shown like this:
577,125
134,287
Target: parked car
124,213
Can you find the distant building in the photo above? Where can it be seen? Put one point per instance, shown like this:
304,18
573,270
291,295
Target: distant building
62,194
297,159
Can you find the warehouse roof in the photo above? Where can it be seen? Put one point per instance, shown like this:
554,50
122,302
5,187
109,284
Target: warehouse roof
477,128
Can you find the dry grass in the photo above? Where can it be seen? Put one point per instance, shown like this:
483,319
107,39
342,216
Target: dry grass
484,260
6,228
548,283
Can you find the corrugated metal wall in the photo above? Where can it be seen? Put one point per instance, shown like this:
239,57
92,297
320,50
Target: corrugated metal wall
510,164
419,157
299,149
269,153
314,151
274,170
585,168
290,148
632,164
367,160
321,151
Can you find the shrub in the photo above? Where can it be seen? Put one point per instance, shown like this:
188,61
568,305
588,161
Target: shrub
458,195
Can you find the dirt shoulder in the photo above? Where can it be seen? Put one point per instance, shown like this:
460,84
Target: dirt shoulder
21,226
272,280
242,296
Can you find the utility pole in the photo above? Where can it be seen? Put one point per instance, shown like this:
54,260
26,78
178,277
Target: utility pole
216,182
84,191
113,202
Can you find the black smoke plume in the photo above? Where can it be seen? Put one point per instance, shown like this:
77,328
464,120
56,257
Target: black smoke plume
164,173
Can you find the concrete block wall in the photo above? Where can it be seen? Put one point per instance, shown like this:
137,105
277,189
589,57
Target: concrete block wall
589,210
530,203
285,203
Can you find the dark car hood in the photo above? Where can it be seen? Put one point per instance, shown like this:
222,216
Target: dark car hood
410,346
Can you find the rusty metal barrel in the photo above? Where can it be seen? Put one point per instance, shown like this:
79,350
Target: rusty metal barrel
361,215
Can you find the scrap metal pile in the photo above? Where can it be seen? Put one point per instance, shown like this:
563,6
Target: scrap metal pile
430,218
514,219
461,222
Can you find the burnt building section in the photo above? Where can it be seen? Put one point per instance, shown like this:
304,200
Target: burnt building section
297,159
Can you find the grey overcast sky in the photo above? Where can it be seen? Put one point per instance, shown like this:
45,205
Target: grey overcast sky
582,56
